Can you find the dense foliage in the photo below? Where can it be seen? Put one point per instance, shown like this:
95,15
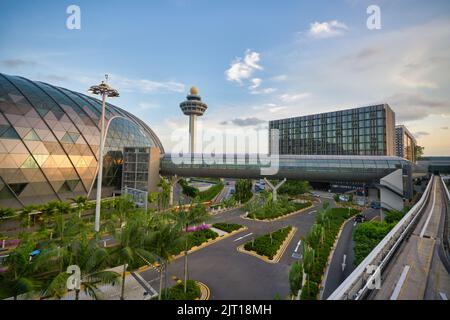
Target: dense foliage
268,244
272,210
295,277
227,227
188,190
318,244
367,235
177,292
211,193
243,192
294,187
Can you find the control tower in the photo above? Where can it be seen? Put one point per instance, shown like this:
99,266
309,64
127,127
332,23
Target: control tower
193,107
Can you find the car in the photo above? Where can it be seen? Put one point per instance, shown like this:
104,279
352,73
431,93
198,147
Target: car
375,205
232,191
360,218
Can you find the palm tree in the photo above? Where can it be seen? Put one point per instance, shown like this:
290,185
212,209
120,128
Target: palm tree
308,263
21,276
164,196
92,260
81,204
163,242
131,240
25,214
195,215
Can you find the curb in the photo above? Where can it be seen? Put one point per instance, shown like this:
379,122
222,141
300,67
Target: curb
206,292
279,218
279,253
194,249
330,257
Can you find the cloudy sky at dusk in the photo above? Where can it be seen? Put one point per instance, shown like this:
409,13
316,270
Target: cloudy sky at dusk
253,61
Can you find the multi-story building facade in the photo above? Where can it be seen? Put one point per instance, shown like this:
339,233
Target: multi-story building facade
360,131
405,143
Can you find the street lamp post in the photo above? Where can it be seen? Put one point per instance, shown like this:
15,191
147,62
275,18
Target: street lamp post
104,90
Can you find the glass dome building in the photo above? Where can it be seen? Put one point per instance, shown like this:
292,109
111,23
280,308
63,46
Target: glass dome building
49,142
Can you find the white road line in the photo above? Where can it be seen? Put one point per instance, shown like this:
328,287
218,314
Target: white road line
399,285
314,211
240,238
298,245
429,214
343,262
443,296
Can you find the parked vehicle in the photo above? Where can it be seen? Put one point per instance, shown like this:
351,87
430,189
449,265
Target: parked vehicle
360,218
375,205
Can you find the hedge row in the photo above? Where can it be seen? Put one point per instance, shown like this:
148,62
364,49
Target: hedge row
268,245
177,292
194,239
331,221
227,227
209,194
277,209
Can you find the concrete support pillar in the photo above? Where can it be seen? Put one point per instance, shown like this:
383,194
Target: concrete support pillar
172,182
192,133
274,188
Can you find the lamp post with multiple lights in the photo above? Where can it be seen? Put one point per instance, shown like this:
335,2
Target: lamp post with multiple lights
104,90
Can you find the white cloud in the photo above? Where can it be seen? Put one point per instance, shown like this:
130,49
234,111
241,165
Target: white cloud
327,29
279,78
294,97
255,83
264,91
241,69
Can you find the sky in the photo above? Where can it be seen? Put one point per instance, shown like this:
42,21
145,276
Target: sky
253,61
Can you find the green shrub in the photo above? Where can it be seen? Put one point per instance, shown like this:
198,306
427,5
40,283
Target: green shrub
268,245
243,192
278,209
295,277
294,188
321,238
227,227
208,195
177,292
196,238
367,236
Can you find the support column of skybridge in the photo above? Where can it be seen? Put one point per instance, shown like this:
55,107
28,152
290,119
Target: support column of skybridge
274,188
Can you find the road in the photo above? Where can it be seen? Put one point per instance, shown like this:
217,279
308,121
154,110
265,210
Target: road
341,265
417,271
233,275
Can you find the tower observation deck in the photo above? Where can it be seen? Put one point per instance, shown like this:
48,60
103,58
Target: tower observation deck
193,107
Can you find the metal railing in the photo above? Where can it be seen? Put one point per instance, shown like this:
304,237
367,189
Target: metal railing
362,279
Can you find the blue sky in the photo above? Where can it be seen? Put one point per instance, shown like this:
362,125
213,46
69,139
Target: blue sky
253,61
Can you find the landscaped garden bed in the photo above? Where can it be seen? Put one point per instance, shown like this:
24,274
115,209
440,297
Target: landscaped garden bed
227,227
278,209
318,245
176,292
269,244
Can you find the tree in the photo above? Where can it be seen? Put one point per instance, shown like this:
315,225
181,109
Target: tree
25,214
162,241
6,212
22,270
195,215
131,240
163,196
418,151
81,204
92,260
295,278
243,191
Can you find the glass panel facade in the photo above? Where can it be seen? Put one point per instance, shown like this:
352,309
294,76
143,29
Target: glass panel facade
49,142
361,131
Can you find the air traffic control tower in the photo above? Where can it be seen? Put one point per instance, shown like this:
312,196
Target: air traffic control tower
193,107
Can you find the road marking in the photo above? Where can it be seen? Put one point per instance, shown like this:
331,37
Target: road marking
429,215
399,285
298,245
443,296
343,262
314,211
240,238
355,223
